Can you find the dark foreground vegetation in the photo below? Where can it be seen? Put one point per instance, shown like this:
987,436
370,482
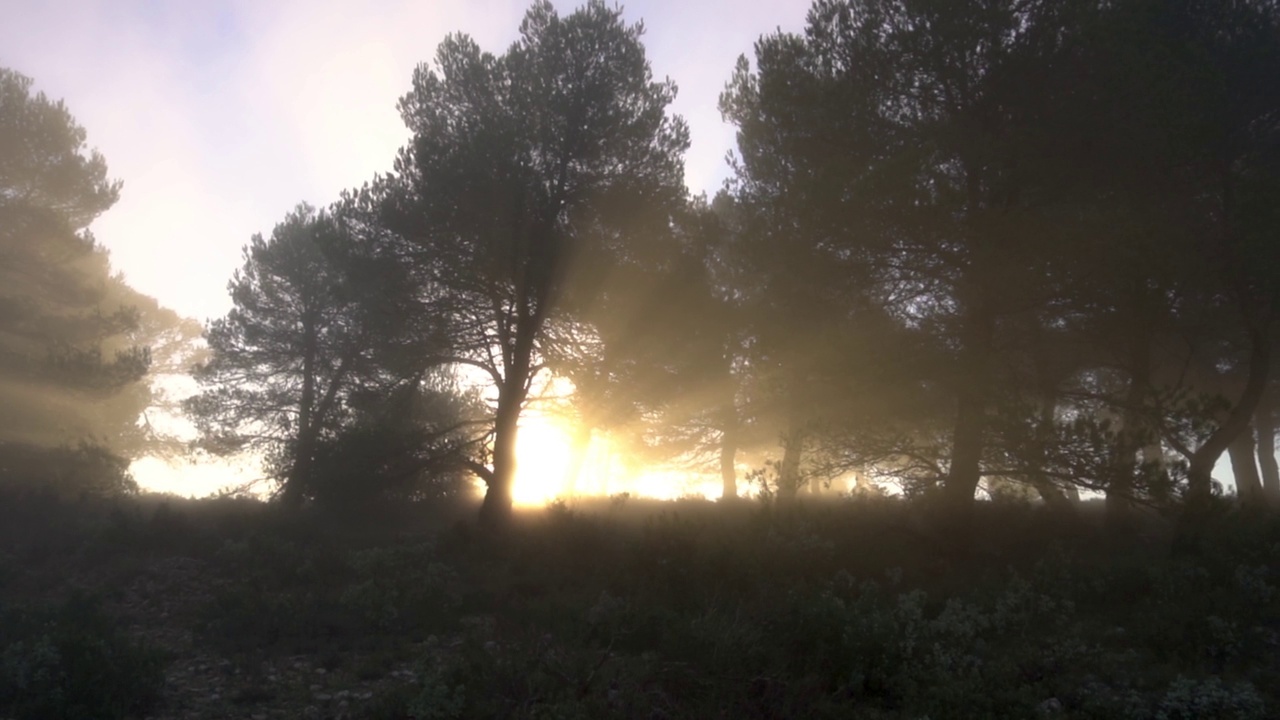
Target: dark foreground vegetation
1011,248
164,608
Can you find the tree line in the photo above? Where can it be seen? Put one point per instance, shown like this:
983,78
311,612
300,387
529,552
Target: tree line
79,347
1024,246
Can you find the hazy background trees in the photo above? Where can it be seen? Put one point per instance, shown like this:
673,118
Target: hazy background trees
75,339
987,245
1060,221
1020,247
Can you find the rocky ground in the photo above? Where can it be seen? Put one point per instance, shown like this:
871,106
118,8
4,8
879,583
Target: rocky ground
684,612
162,602
164,598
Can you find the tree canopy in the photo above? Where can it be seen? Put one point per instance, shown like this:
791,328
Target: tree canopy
322,347
978,247
73,334
529,174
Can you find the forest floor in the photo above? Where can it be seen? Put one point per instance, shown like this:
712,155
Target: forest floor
176,609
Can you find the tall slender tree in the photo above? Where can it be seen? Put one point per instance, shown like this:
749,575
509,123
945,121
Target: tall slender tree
524,171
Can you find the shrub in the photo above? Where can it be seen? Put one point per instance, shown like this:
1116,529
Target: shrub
68,471
73,663
400,588
1210,699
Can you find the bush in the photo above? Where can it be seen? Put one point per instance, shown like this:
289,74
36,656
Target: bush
67,471
401,588
1210,699
367,468
73,663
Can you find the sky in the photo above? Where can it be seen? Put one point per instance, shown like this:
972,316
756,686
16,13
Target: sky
221,116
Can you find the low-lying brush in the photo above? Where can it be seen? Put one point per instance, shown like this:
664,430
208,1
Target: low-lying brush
71,662
842,609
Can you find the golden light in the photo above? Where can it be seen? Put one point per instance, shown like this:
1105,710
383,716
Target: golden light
544,454
199,476
547,469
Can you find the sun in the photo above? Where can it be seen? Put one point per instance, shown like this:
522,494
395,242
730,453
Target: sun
544,455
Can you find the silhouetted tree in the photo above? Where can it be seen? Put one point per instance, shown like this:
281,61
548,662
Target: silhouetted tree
322,336
891,129
524,169
1167,135
1224,59
999,175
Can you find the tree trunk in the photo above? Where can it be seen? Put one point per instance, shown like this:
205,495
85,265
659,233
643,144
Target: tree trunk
1054,498
1153,462
299,473
1245,468
1130,440
305,440
517,365
496,509
789,471
1200,471
729,428
970,424
1264,421
728,468
966,451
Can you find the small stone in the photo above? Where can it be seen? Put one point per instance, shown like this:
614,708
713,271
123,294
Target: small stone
1049,708
323,697
321,671
316,688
